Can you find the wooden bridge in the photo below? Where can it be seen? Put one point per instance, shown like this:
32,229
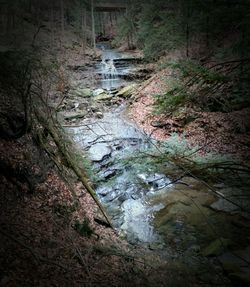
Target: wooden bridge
109,5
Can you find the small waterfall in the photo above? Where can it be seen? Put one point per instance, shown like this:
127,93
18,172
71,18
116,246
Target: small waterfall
110,77
109,70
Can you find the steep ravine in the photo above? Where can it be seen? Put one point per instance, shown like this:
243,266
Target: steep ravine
183,219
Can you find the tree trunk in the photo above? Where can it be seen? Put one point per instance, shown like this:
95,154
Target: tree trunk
84,29
187,31
208,33
93,24
62,20
52,24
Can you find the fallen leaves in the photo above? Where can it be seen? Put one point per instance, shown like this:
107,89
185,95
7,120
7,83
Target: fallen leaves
223,132
42,224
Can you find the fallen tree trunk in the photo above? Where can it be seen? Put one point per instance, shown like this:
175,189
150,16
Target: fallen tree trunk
67,150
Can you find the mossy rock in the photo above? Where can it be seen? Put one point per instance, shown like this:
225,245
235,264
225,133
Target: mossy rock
103,97
82,92
74,115
126,91
216,247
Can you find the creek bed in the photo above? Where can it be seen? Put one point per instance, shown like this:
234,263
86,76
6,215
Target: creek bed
182,219
122,187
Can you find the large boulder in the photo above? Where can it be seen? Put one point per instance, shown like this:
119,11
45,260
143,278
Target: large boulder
81,92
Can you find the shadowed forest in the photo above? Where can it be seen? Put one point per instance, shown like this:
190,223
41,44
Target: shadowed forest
124,143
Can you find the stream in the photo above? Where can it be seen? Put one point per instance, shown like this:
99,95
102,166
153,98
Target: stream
122,188
110,142
144,205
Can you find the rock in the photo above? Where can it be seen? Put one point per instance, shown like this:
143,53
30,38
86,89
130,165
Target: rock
216,247
224,205
99,151
143,177
76,83
109,173
104,190
98,92
126,91
135,196
82,106
74,115
156,180
111,196
156,246
70,106
82,92
113,91
103,97
99,115
123,197
117,222
94,108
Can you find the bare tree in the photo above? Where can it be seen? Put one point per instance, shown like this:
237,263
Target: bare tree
52,24
84,28
93,23
62,17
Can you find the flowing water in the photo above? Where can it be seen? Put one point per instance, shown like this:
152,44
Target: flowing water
112,68
112,142
122,187
141,201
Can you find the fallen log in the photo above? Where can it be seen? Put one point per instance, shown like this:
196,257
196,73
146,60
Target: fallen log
67,150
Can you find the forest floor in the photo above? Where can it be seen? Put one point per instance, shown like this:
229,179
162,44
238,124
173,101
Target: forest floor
47,240
225,133
48,236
